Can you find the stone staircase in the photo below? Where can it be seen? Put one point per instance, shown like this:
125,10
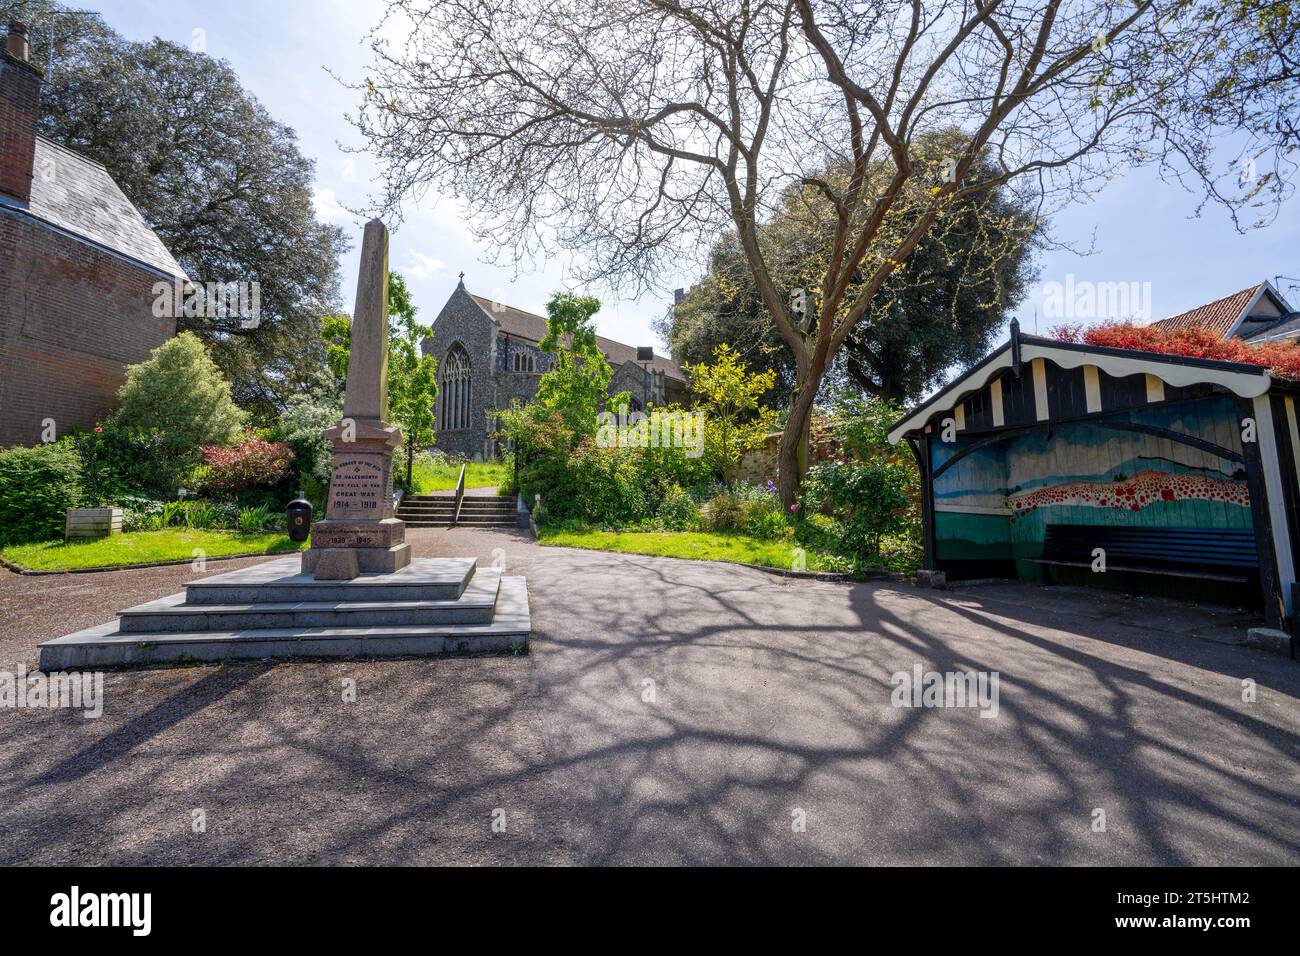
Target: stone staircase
476,511
273,610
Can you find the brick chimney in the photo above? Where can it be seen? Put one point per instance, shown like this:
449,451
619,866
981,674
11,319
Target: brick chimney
20,86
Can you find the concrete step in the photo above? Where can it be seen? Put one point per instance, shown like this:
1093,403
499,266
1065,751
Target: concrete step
282,582
450,506
450,502
107,645
462,523
173,613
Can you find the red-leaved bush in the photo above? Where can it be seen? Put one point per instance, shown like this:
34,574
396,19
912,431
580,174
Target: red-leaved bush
1281,358
252,463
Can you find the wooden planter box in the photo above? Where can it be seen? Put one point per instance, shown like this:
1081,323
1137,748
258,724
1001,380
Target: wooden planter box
92,523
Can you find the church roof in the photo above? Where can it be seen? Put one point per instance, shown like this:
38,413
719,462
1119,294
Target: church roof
526,325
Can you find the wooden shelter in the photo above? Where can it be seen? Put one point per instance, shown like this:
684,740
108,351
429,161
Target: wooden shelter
1113,468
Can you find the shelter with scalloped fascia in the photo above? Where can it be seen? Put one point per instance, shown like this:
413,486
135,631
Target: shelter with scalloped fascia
1113,468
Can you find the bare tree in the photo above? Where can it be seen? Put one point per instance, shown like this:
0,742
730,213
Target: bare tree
632,133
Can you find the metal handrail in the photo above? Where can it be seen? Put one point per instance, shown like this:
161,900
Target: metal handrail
460,495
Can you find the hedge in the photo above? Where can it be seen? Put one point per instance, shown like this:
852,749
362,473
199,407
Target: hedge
37,487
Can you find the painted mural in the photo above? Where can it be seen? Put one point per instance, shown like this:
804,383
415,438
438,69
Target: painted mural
1132,494
995,504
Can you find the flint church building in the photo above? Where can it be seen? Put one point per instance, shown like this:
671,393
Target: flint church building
488,355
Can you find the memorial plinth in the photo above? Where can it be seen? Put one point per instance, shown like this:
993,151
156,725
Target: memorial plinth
359,534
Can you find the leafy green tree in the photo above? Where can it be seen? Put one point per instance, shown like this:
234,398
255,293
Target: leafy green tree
336,333
412,376
577,385
729,396
301,426
225,186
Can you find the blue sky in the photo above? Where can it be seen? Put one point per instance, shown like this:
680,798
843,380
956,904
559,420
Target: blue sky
281,49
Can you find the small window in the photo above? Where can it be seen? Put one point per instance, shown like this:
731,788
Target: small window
523,361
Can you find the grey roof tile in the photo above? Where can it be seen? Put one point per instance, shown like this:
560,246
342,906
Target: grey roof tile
77,194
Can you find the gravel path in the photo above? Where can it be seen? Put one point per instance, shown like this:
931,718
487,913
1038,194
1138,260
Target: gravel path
671,711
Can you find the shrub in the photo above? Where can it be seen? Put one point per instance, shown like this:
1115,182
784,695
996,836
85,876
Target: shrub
37,487
119,463
677,511
593,484
179,398
867,499
1283,358
255,519
723,512
301,425
139,512
764,517
754,510
252,463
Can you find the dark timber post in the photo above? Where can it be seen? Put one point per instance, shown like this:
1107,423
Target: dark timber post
921,450
1259,518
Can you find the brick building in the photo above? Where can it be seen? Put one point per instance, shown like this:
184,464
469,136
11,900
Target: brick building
488,355
78,269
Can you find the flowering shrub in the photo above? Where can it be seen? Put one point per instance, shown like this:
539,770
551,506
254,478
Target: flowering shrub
252,463
868,499
1282,358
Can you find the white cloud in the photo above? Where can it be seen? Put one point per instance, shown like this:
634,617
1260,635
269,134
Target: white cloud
420,266
328,208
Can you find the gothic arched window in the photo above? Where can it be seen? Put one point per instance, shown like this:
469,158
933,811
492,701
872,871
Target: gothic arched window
455,392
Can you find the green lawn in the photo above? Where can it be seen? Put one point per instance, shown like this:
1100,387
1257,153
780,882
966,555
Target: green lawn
700,545
144,547
428,477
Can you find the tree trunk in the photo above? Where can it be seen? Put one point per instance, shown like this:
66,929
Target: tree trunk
792,453
410,466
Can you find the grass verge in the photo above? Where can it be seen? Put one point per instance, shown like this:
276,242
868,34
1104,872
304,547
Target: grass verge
144,547
429,477
697,545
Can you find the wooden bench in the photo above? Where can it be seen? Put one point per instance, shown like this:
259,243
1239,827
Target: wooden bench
1212,554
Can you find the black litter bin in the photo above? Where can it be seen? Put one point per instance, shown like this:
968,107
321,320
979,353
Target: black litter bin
299,512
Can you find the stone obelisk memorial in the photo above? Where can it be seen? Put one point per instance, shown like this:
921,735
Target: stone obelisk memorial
360,533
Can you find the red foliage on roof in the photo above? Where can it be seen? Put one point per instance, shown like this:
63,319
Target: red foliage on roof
1281,358
1218,316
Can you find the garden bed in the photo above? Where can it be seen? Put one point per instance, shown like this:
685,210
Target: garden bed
143,549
